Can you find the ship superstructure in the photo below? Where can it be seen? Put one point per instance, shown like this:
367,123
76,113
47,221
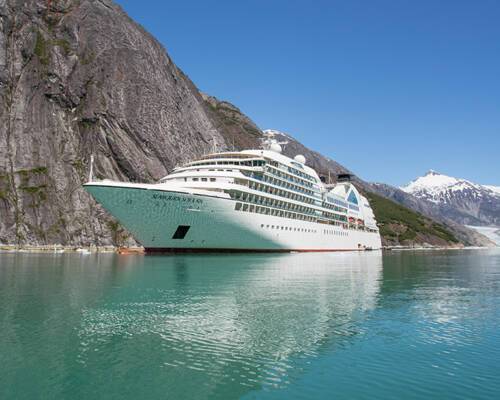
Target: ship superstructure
251,200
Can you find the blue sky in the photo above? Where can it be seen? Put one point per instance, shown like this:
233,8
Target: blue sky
389,88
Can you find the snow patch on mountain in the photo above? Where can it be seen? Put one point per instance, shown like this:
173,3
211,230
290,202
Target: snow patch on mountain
460,200
494,189
437,188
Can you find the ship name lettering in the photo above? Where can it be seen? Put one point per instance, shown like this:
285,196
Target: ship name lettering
176,198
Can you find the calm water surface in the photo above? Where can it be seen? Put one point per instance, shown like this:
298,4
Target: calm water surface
412,325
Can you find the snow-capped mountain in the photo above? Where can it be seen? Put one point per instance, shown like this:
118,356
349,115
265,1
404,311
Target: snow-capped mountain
494,189
461,200
440,188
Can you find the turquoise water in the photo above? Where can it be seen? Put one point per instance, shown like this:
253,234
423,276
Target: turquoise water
412,325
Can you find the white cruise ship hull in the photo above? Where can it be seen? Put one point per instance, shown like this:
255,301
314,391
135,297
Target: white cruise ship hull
176,219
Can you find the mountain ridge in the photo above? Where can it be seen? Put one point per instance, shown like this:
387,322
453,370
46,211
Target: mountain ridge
461,200
396,228
68,91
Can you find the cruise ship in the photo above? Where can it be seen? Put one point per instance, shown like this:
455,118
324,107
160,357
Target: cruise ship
250,200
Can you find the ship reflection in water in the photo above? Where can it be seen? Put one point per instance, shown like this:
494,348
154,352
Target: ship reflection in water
254,326
236,321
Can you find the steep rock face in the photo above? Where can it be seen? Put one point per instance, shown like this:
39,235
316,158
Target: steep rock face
323,165
78,78
239,131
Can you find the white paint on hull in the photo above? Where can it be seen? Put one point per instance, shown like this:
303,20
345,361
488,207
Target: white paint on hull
152,216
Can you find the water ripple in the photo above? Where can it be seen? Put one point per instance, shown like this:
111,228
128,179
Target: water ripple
423,325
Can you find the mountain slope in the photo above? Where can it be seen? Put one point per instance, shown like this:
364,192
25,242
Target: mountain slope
431,210
402,226
460,200
237,129
494,189
79,77
492,233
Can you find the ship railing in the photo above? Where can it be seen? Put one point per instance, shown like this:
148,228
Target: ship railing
294,189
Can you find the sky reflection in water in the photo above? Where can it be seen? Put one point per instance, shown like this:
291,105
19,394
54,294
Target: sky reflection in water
344,325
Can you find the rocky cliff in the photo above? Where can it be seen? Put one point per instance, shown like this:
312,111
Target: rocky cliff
79,77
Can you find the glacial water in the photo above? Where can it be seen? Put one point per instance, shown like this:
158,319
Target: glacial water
399,325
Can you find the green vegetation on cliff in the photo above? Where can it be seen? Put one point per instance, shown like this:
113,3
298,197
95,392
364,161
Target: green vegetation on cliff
400,225
74,97
42,49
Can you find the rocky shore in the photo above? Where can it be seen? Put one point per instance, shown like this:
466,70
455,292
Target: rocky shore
58,249
140,250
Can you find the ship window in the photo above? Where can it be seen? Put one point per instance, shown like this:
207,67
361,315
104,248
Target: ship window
352,198
212,179
204,179
195,179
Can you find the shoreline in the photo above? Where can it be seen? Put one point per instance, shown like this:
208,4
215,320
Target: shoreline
140,250
420,248
58,249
